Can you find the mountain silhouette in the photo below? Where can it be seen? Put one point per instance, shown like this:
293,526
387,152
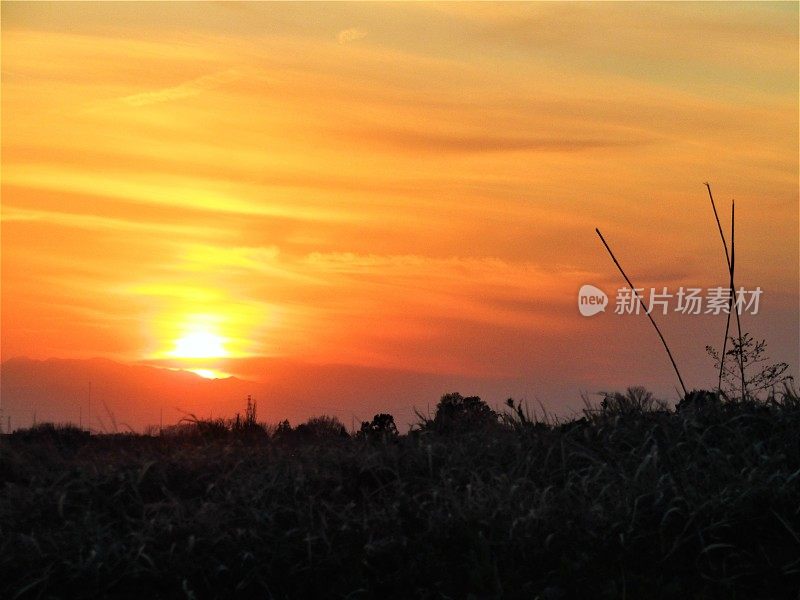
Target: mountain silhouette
98,392
92,391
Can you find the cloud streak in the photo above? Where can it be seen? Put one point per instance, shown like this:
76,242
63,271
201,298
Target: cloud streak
186,90
425,141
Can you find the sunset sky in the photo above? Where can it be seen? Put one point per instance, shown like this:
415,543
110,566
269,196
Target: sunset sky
404,186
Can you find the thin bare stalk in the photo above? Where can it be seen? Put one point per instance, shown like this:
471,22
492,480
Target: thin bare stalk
649,316
736,305
730,300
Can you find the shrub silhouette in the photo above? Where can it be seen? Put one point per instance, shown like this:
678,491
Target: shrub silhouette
382,427
60,434
244,428
759,376
698,400
211,428
636,399
322,428
520,419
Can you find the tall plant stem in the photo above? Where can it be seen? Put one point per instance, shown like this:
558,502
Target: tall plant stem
728,262
730,259
649,316
740,356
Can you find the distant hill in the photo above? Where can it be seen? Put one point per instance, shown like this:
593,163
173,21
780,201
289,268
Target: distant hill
91,390
98,392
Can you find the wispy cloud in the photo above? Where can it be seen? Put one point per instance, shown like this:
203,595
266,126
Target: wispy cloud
188,88
437,143
188,193
90,222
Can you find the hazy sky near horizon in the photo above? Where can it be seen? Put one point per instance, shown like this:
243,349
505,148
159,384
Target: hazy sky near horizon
410,186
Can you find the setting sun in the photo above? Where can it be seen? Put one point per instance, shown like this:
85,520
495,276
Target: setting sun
199,344
209,373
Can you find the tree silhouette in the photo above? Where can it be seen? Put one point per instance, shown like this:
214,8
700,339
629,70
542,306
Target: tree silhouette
456,413
382,427
283,430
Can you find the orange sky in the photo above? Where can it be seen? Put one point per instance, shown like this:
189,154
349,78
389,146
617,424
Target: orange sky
408,186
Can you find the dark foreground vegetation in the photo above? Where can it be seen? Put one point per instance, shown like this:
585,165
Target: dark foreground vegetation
632,500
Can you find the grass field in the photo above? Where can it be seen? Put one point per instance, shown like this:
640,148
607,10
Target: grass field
630,501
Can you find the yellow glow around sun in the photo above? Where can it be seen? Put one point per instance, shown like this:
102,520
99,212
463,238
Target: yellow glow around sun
209,373
199,344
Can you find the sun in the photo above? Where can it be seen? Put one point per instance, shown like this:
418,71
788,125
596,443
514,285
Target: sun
210,373
199,344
